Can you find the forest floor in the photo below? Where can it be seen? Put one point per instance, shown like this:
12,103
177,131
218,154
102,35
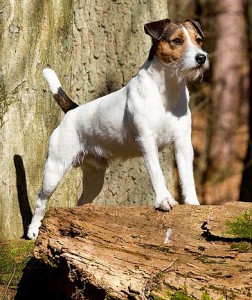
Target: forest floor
14,257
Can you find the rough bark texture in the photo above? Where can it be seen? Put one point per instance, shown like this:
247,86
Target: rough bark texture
109,47
33,34
95,48
125,253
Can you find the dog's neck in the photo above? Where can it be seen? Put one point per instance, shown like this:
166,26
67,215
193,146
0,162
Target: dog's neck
172,89
163,73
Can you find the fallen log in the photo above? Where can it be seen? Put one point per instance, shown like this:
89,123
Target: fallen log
140,253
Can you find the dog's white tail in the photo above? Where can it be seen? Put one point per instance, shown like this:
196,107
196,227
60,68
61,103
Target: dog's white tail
59,95
52,79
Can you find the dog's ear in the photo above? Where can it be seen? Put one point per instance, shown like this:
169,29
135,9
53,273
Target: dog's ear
156,29
197,26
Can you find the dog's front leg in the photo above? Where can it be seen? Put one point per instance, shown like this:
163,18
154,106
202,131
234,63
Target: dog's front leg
164,200
184,157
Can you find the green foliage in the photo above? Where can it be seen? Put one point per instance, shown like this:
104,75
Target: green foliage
181,294
241,227
154,296
205,296
240,247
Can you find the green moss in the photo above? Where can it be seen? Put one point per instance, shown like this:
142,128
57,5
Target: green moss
242,247
157,281
154,296
13,258
165,293
205,296
241,227
181,294
47,261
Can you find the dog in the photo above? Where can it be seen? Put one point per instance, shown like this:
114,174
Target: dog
140,119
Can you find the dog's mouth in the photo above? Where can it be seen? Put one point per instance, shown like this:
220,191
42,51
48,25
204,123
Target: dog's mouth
199,67
194,73
202,67
182,70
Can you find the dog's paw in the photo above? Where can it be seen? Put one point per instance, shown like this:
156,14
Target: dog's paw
33,232
192,201
166,204
172,202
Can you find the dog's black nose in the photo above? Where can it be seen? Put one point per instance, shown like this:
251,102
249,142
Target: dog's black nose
200,58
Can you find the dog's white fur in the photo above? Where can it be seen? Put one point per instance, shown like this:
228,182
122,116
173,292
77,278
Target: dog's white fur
52,79
138,120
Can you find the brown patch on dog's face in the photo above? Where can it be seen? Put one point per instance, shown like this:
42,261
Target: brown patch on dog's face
196,36
174,41
172,44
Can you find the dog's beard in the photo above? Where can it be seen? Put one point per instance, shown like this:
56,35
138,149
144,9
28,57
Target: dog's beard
184,71
194,74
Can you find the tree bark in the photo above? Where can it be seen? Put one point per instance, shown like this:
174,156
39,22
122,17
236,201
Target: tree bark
246,187
109,47
95,48
34,34
140,253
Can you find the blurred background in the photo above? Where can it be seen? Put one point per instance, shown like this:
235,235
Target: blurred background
95,48
221,103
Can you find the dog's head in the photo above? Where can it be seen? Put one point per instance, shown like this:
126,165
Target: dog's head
179,46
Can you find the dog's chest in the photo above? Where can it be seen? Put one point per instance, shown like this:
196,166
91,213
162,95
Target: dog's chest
162,112
166,127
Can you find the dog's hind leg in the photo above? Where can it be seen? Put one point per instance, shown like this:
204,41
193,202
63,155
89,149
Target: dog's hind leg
54,171
93,179
63,149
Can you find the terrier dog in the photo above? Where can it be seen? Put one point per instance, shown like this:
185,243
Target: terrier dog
138,120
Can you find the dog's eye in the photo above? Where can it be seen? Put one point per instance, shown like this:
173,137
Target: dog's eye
199,40
177,41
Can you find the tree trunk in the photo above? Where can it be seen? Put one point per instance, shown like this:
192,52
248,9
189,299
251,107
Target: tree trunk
140,253
230,96
109,46
95,48
33,35
246,187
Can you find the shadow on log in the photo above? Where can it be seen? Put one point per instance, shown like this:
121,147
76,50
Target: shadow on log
139,253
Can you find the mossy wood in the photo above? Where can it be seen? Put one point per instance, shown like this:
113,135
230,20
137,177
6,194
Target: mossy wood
126,253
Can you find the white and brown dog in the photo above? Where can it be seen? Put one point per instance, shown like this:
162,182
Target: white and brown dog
138,120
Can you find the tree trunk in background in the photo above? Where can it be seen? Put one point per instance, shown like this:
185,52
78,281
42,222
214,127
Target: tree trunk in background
230,98
220,102
181,10
109,46
95,48
33,34
246,186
